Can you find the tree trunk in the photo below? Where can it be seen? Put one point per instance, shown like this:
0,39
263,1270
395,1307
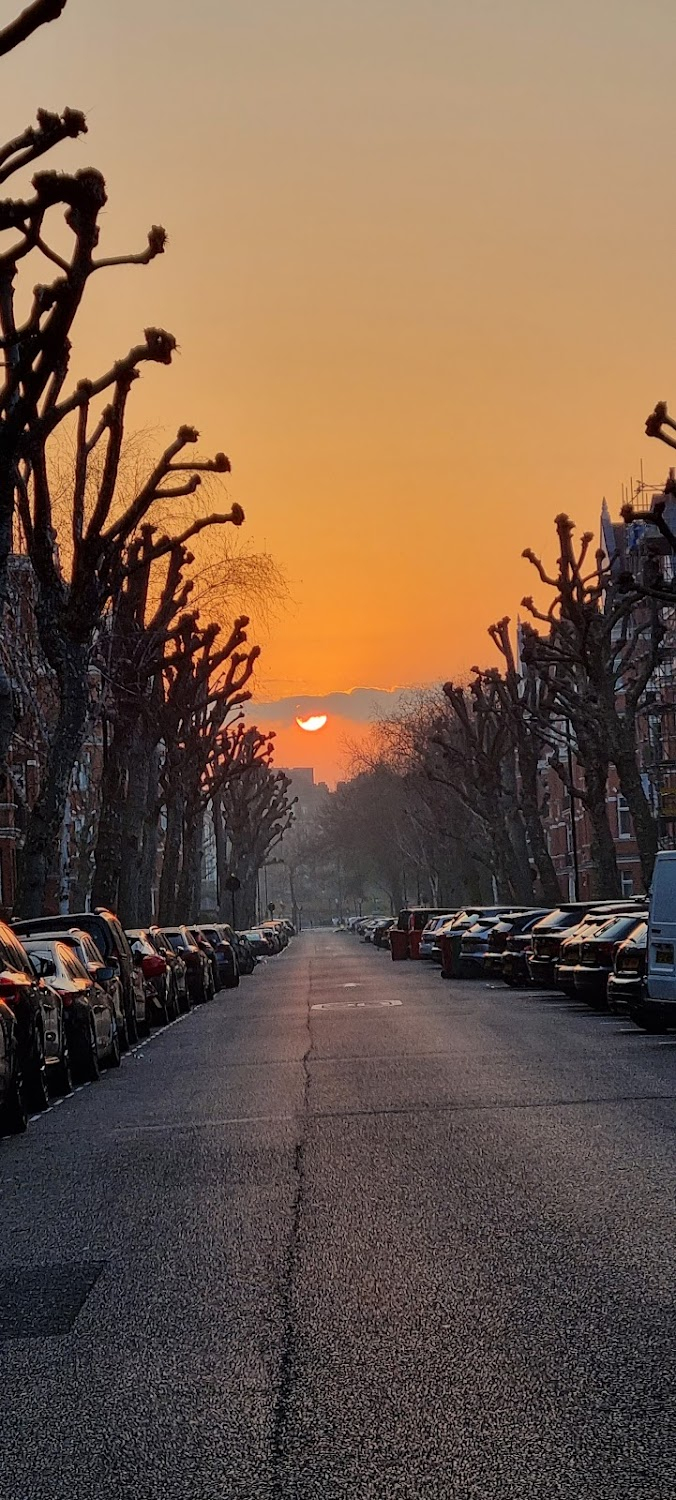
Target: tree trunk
171,863
132,818
544,864
188,899
44,824
151,824
109,841
221,857
245,901
645,825
606,876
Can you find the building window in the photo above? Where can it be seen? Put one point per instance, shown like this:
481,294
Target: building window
624,828
627,884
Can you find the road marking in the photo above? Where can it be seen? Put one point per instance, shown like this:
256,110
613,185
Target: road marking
355,1004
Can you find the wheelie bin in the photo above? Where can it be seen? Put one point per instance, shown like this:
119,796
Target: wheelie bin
398,944
450,955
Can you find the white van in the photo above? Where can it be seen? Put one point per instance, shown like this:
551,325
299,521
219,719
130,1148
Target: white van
660,1002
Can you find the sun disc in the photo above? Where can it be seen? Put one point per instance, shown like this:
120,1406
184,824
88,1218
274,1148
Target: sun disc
315,722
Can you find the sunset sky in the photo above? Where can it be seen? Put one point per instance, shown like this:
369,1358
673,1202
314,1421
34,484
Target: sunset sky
420,270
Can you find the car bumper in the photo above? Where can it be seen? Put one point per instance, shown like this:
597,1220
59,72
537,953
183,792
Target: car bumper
564,978
542,971
493,965
514,968
624,990
592,982
472,965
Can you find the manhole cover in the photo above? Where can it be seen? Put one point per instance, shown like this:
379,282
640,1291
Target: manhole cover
43,1301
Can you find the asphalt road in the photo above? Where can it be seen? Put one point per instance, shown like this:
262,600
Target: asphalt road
348,1231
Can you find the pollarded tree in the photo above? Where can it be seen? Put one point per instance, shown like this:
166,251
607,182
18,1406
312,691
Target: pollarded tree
597,657
257,809
475,739
72,601
205,682
525,702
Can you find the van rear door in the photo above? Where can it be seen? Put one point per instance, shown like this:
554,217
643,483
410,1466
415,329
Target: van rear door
661,964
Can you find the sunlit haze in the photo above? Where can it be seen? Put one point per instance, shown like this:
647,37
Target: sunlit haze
419,268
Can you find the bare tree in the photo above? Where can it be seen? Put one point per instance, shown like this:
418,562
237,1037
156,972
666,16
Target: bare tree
29,20
71,608
597,656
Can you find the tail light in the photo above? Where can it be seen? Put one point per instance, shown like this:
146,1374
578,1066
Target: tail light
8,991
67,999
152,966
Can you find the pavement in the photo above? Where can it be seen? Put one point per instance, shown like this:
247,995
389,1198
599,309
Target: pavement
348,1231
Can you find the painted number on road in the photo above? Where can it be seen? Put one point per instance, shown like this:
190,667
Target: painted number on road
355,1005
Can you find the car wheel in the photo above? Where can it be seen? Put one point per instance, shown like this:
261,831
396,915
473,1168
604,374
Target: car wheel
36,1090
132,1028
61,1076
114,1056
122,1033
648,1023
14,1115
91,1068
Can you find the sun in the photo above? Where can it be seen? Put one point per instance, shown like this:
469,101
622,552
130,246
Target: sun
315,722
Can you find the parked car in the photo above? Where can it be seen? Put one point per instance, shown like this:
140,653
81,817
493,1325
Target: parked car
474,946
175,963
94,963
89,1014
38,1014
597,955
546,938
512,924
454,929
226,965
106,930
13,1112
246,957
270,931
627,979
259,942
514,966
199,974
592,923
426,949
158,977
381,936
657,1011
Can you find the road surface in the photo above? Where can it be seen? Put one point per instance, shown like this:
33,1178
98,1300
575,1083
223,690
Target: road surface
348,1231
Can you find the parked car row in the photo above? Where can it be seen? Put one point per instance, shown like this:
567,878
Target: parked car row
76,991
592,950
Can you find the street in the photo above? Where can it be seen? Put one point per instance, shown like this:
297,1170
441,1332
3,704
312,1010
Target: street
349,1230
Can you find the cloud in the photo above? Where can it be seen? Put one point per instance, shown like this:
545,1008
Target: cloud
361,705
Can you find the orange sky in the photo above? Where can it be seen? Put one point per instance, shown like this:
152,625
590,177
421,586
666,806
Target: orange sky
420,270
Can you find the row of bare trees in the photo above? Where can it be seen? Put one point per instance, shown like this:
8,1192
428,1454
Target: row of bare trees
457,775
112,571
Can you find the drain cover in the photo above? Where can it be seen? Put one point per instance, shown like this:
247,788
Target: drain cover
41,1302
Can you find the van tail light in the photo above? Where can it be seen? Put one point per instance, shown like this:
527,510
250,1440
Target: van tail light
153,966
